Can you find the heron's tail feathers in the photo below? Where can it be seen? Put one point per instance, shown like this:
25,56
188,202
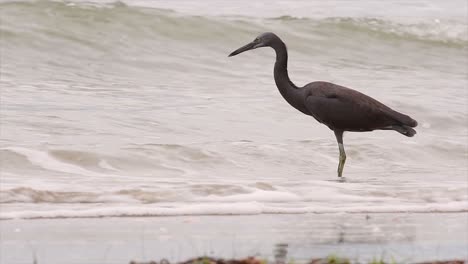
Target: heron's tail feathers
403,119
405,130
403,124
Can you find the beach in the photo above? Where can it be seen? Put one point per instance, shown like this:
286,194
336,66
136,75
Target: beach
403,237
127,133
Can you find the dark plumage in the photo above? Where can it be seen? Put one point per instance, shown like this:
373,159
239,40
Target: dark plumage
342,108
339,108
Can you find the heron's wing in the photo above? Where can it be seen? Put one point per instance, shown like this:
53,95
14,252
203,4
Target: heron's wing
342,108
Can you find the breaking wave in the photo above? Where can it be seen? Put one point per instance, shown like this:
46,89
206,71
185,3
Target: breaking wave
96,25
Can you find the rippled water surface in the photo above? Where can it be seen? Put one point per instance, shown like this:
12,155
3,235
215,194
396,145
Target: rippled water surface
133,108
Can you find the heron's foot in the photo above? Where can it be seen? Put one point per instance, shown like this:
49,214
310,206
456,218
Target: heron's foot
341,165
340,170
342,161
340,179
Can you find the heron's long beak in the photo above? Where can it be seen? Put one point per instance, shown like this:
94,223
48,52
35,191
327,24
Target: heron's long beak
251,45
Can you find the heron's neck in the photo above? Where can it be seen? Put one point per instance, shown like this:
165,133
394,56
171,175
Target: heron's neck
281,68
288,90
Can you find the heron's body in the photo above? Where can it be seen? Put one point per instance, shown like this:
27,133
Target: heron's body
339,108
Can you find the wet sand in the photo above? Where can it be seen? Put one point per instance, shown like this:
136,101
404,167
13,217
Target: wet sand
402,237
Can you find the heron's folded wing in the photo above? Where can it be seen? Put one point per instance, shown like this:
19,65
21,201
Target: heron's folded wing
342,113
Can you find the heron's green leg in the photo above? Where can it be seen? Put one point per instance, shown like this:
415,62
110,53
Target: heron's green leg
342,159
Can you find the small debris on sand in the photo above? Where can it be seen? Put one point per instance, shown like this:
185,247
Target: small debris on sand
253,260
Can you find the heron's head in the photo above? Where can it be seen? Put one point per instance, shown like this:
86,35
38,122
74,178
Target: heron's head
263,40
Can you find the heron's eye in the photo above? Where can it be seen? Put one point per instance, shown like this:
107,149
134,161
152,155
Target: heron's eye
257,40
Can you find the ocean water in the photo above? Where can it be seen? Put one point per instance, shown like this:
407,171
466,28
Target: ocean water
133,108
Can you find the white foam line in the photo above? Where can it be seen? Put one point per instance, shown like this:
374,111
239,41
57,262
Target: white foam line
44,160
257,195
199,209
428,208
105,165
251,208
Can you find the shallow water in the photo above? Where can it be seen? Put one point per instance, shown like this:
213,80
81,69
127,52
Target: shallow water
399,238
133,108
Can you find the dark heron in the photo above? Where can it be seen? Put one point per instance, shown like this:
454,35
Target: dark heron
339,108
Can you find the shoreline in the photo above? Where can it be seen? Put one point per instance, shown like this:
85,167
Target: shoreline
87,211
279,259
231,214
405,237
